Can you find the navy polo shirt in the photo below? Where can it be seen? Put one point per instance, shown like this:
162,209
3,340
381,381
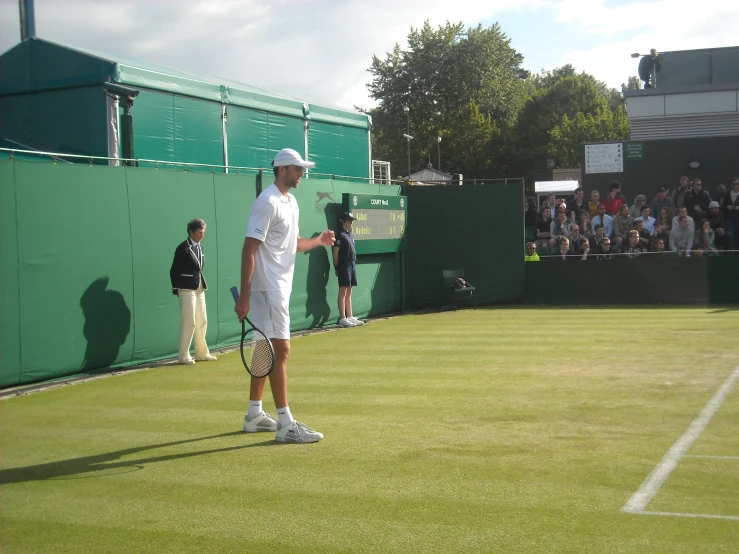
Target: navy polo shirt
347,251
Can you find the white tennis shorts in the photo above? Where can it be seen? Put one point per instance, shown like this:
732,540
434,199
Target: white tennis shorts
270,313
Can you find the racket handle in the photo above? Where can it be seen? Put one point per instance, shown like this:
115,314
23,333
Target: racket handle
235,293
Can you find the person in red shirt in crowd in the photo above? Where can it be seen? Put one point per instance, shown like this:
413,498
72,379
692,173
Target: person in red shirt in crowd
614,199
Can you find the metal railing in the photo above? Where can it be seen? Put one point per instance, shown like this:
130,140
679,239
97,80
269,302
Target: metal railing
137,162
649,254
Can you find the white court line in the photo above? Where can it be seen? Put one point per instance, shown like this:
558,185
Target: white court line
651,485
707,516
711,457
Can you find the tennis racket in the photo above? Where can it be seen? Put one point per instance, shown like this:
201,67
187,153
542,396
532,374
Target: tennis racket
257,351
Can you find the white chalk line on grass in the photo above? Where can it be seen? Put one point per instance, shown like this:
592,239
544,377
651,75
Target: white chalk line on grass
651,485
678,514
711,457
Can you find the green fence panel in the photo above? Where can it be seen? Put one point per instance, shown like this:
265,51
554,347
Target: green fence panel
10,310
95,244
314,300
479,229
254,137
339,149
198,127
644,280
76,287
154,126
723,280
161,204
234,196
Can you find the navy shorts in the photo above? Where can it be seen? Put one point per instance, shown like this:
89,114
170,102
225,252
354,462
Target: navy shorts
347,275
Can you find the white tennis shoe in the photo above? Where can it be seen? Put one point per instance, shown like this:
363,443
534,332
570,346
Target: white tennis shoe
356,321
296,432
260,424
346,322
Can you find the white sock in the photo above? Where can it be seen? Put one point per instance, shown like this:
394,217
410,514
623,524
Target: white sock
286,418
255,408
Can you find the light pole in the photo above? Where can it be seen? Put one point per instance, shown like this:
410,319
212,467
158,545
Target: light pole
408,137
648,66
438,152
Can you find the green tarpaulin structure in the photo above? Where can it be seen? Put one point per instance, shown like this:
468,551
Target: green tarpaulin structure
53,98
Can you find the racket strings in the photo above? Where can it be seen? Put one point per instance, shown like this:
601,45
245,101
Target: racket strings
262,356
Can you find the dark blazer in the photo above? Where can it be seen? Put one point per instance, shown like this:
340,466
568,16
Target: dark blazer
187,271
730,215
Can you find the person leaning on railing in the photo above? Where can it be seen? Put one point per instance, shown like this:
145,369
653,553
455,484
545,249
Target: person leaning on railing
604,250
659,247
531,255
633,247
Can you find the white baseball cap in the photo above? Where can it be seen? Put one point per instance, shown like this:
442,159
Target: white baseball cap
288,156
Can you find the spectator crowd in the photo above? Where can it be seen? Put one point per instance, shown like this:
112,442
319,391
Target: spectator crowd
686,222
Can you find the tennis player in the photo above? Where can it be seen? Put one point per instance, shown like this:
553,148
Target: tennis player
267,265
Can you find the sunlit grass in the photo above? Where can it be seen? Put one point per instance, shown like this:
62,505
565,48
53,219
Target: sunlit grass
488,430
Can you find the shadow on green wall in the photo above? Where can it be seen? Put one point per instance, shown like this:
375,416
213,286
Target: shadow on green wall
319,270
107,324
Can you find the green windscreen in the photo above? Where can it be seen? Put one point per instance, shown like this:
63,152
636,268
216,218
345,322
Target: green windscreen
73,239
479,229
177,128
102,238
10,308
254,137
339,149
69,121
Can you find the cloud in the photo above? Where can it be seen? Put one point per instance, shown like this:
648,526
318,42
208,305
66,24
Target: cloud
322,48
639,26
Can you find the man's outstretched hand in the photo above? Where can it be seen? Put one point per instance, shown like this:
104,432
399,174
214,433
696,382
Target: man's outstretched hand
327,238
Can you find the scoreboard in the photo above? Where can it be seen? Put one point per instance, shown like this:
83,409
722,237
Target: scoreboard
380,221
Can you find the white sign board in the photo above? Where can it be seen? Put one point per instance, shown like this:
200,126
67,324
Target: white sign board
604,158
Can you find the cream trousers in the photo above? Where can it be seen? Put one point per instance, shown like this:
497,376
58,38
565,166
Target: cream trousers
193,322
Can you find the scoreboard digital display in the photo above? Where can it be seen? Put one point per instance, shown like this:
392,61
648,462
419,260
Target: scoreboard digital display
380,221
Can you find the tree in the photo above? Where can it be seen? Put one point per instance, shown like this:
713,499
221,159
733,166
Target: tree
446,73
603,125
559,94
634,83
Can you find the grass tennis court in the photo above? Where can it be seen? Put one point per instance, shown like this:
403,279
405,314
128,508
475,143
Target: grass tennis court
488,430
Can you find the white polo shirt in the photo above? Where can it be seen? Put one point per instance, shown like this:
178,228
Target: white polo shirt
273,219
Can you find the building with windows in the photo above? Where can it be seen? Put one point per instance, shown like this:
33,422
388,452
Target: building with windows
685,122
693,93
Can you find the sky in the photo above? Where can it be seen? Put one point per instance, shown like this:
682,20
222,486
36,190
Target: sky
320,50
